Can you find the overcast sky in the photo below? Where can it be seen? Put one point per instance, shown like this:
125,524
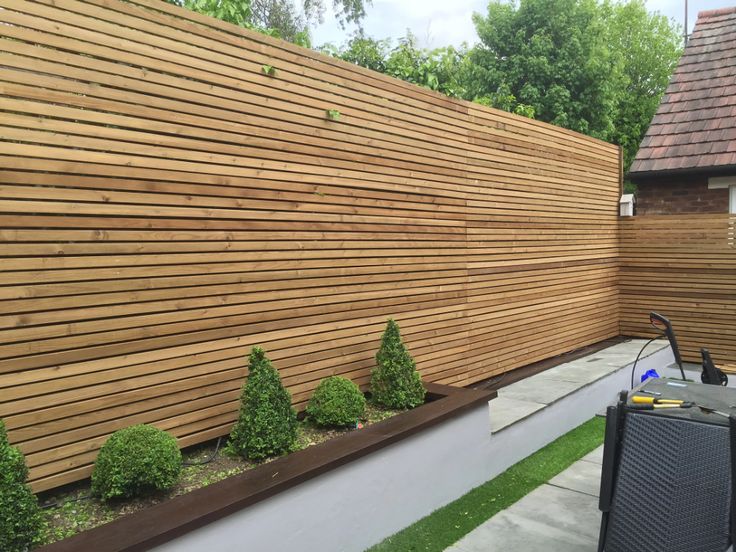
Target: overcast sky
444,22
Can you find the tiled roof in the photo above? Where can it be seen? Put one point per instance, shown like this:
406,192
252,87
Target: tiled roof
694,128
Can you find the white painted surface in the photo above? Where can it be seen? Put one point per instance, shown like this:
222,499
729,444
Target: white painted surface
626,205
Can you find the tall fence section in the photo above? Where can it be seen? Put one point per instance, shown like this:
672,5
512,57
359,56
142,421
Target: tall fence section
684,267
175,190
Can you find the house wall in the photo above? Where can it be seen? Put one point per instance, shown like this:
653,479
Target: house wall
680,196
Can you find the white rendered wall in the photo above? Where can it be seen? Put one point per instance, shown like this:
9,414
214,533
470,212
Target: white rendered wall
359,504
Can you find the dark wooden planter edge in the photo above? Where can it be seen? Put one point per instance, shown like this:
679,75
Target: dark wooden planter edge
165,521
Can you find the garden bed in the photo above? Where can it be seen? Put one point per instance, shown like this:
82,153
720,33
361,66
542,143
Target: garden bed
72,510
170,519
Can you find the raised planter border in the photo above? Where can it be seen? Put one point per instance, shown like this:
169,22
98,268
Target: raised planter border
168,520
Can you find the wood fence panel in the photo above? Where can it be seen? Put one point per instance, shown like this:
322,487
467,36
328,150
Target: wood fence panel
165,206
684,267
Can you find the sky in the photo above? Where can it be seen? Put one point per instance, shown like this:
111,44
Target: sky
448,22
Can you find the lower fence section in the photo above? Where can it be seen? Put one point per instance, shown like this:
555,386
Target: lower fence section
685,268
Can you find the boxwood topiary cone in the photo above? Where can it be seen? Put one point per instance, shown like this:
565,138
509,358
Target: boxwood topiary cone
266,424
20,516
395,381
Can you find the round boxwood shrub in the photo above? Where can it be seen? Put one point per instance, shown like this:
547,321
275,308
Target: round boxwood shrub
337,402
136,461
395,381
266,423
20,516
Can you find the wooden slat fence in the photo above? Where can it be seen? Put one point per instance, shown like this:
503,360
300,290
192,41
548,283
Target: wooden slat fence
165,205
685,268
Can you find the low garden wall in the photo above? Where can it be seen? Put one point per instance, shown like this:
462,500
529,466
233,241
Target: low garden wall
345,494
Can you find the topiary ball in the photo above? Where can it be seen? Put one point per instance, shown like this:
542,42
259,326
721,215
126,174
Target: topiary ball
337,402
136,461
20,518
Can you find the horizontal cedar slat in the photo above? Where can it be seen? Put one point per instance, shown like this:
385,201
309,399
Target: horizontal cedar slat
684,267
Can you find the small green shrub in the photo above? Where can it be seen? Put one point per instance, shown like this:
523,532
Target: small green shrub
266,424
269,70
395,381
333,114
337,402
136,461
20,516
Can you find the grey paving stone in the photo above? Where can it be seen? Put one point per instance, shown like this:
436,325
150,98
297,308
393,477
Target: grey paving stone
594,456
505,411
539,390
455,548
513,533
582,476
579,372
548,519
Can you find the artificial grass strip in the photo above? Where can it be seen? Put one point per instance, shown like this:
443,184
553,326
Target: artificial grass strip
445,526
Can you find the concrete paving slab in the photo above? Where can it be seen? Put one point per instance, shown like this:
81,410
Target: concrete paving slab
583,477
548,519
538,390
579,372
595,456
505,411
513,533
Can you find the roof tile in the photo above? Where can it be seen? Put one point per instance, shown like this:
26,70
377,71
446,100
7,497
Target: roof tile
695,124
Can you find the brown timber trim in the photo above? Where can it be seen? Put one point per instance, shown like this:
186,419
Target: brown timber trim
165,521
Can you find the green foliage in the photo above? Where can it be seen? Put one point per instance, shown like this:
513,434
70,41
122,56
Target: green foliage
286,19
337,402
20,518
266,424
237,12
333,114
650,46
395,381
364,51
550,55
594,67
269,70
441,69
136,461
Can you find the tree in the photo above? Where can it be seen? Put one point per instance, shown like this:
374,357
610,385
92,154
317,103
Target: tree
287,19
550,55
597,68
650,46
441,69
283,17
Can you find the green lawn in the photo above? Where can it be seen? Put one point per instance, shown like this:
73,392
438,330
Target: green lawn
450,523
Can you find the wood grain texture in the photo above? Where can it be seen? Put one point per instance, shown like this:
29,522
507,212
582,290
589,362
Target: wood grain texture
165,206
684,267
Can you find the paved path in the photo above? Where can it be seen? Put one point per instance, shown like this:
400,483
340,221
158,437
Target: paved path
560,516
532,395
